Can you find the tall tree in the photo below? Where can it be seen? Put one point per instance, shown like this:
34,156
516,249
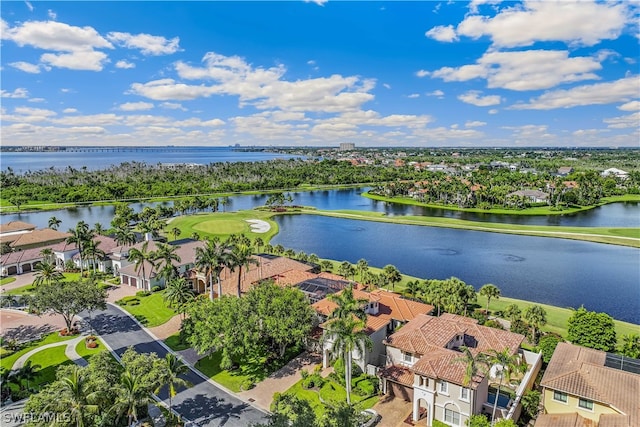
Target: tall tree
471,365
591,329
536,317
172,369
631,346
392,274
241,257
54,223
508,364
165,256
125,236
362,266
211,259
92,252
512,312
28,372
141,257
79,236
175,231
489,291
346,269
131,397
77,396
347,305
178,294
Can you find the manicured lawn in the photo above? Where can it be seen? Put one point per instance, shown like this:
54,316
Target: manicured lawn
150,311
331,392
26,289
7,280
254,370
86,353
173,342
8,361
49,360
223,224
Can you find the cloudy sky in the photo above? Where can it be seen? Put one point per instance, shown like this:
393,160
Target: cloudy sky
482,73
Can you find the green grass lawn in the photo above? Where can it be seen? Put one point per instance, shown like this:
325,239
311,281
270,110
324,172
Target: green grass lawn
254,370
173,342
49,360
223,224
8,360
27,289
331,391
151,310
86,353
7,280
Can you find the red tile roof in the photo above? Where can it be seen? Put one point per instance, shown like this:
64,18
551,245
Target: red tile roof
13,226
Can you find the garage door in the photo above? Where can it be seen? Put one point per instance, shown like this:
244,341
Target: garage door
133,281
400,391
12,270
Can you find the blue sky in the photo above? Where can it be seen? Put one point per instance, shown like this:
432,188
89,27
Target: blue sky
430,74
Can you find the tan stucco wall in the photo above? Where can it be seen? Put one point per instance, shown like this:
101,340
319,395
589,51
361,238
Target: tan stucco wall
554,407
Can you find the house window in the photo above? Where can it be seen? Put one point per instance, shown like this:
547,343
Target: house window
444,387
585,404
560,397
407,357
452,417
464,394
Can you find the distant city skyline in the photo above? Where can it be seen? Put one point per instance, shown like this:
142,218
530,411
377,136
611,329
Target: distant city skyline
376,74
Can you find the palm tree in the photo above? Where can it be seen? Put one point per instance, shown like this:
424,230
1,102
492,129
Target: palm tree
362,266
258,242
28,372
92,252
392,274
512,312
140,257
97,227
435,292
54,223
631,345
46,273
75,396
347,335
171,371
471,365
412,288
535,316
346,269
47,254
175,231
212,258
241,256
195,236
131,396
278,249
178,294
489,291
125,236
313,259
509,363
166,255
348,305
79,236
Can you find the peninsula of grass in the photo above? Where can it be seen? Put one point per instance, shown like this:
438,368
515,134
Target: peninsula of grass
8,360
7,280
86,352
537,210
49,360
624,236
224,224
174,343
149,310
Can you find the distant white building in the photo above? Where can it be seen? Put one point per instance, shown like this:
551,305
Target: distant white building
618,173
347,146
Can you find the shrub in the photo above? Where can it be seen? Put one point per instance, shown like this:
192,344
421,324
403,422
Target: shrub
247,384
304,374
493,324
367,386
156,289
547,346
312,381
92,344
143,293
520,327
130,300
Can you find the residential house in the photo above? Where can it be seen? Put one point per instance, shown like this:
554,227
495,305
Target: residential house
533,196
14,229
564,170
618,173
583,387
424,366
386,311
35,239
19,262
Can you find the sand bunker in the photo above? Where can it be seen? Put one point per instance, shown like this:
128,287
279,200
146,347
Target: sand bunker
258,225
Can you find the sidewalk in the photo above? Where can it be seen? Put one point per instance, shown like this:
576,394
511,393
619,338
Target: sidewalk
262,394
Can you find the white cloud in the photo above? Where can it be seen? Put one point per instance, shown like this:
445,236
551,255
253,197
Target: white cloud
442,33
623,122
125,64
89,60
599,93
17,93
422,73
264,88
105,119
172,106
474,123
37,100
26,67
318,2
473,97
386,85
414,95
630,106
135,106
148,44
52,15
581,23
29,6
524,70
29,114
493,111
69,110
55,36
437,93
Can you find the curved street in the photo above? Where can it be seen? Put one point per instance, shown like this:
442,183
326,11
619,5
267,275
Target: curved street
204,404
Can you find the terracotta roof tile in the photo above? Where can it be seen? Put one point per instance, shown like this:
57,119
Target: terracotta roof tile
39,237
12,226
564,420
398,374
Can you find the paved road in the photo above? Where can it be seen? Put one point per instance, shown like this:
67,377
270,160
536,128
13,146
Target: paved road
204,404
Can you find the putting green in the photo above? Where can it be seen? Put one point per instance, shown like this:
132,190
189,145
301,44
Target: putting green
223,226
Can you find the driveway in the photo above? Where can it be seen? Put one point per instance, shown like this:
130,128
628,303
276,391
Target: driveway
393,411
204,404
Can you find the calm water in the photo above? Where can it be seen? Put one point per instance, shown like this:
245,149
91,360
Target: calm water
559,272
96,158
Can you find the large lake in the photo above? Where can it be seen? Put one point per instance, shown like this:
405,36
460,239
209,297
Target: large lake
559,272
101,158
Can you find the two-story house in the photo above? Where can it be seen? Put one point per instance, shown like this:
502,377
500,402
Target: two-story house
583,387
425,366
386,311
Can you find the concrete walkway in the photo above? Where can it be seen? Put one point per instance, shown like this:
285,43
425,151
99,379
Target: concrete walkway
281,380
167,329
70,352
